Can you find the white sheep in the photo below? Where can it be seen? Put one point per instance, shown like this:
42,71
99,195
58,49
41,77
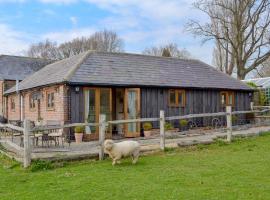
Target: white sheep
119,150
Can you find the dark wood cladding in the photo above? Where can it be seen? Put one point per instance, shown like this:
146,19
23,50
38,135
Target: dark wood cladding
76,105
155,99
197,101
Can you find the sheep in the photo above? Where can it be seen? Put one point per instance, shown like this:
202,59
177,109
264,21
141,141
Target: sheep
122,149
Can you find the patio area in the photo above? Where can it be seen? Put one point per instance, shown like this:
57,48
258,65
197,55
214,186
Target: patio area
86,150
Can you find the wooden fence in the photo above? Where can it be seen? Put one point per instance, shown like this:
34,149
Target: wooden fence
103,123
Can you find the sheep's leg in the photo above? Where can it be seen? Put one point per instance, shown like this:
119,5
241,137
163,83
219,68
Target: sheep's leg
135,156
116,160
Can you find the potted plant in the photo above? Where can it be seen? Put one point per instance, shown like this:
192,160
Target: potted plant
168,126
183,125
79,130
234,120
147,127
39,121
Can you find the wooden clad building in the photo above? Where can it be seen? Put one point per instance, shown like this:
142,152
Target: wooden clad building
125,86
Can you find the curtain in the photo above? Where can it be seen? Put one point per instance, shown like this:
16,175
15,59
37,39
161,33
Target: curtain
87,128
132,110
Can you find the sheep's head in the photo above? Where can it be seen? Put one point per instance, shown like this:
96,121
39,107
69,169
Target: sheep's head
108,145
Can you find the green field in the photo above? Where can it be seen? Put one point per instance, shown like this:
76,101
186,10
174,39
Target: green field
240,170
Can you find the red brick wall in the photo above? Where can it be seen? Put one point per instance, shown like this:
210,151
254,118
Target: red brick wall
58,113
15,113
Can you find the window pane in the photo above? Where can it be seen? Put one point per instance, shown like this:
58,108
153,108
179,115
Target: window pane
91,109
223,99
180,98
172,97
230,99
105,103
132,110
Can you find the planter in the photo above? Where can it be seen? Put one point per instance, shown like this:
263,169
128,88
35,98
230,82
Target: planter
39,123
78,137
147,133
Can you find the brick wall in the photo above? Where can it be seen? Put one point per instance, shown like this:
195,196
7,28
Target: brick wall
13,114
58,113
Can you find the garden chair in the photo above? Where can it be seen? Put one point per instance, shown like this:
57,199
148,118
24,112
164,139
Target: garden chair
57,135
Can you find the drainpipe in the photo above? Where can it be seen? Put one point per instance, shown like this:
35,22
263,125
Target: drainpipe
21,100
22,105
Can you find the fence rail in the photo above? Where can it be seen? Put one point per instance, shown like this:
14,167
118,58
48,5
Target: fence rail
103,123
11,126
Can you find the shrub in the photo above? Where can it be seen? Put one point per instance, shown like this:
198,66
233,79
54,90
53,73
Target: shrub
183,122
79,129
234,119
147,126
168,126
39,165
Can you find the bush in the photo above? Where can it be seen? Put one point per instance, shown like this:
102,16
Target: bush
147,126
234,119
79,129
183,122
168,126
39,165
259,96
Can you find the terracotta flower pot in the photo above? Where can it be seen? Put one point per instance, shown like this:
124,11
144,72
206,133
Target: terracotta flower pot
78,137
147,133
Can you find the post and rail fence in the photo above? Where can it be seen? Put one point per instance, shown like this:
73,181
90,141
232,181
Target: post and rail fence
27,130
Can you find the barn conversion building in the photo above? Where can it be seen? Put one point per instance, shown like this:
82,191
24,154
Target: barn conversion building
15,68
123,86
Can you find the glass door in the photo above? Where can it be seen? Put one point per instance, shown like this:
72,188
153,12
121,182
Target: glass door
97,101
90,110
132,111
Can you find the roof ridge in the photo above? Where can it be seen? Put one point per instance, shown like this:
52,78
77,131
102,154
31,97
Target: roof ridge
34,58
144,55
73,69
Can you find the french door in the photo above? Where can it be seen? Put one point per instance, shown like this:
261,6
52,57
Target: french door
97,101
132,111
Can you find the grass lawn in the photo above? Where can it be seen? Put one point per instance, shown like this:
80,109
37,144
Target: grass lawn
240,170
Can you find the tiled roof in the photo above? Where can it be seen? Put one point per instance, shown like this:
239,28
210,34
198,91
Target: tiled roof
122,69
18,68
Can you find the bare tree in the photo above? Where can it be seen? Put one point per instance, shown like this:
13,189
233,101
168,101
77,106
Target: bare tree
169,49
222,59
47,49
241,28
263,70
106,41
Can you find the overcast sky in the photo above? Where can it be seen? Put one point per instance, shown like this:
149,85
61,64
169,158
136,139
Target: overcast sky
141,23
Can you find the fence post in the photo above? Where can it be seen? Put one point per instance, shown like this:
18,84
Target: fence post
229,123
27,144
102,128
162,130
251,105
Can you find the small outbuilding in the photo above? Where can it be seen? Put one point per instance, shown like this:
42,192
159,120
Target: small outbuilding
263,84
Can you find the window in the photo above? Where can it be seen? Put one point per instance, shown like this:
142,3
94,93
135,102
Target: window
177,98
12,104
50,100
227,98
32,104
